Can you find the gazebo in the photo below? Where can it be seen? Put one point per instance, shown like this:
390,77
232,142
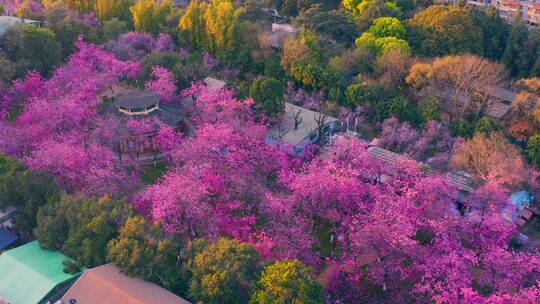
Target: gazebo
141,105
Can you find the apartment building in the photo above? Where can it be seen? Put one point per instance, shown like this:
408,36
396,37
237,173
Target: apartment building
529,10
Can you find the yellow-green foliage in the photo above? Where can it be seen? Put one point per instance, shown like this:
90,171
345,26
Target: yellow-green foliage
287,282
149,14
213,26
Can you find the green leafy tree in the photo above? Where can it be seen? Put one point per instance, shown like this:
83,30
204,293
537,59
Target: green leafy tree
514,47
337,25
32,48
388,27
81,227
383,45
401,108
495,31
368,11
314,76
149,15
67,28
287,282
304,48
461,128
7,70
441,30
430,109
361,94
113,28
533,150
268,92
291,8
214,26
24,190
191,24
384,36
82,6
147,252
109,9
484,125
353,62
222,271
272,67
351,5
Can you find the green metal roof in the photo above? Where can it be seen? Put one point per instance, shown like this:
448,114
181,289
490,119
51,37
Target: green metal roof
28,273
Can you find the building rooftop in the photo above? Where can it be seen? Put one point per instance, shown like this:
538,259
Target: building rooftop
29,273
169,113
459,180
214,84
106,285
137,100
497,109
285,131
7,22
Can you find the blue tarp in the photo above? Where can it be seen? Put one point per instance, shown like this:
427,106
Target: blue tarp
521,199
7,238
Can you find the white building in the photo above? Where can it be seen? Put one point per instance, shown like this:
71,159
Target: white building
7,22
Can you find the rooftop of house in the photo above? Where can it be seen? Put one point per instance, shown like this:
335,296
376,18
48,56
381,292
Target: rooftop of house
497,109
29,273
498,105
280,32
106,285
284,27
460,180
214,84
7,22
285,130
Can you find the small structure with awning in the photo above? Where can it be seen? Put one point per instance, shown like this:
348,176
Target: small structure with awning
31,275
106,285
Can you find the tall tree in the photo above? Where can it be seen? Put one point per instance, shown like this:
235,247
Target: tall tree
109,9
495,29
287,282
336,25
268,92
32,48
514,47
81,227
222,271
24,190
442,30
466,79
145,251
149,15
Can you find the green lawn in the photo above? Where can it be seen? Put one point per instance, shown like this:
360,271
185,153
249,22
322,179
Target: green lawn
322,233
153,172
